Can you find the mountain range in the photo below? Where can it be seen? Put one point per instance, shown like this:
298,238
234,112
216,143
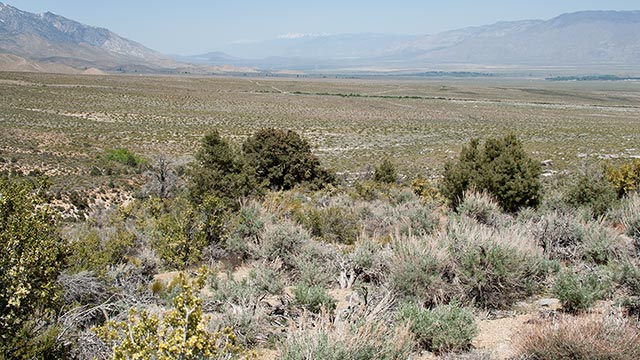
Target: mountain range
50,42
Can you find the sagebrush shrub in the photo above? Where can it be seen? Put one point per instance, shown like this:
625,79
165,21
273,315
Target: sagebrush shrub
374,339
332,224
480,207
446,328
629,217
421,270
282,241
579,292
494,268
313,298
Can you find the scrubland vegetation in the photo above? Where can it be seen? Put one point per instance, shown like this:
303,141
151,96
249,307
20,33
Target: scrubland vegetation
256,248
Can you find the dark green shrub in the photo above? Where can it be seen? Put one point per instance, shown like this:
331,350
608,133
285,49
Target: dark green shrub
218,171
501,167
385,172
446,328
313,298
282,159
592,191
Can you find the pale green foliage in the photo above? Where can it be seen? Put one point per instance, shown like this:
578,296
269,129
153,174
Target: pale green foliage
443,329
32,258
373,339
179,334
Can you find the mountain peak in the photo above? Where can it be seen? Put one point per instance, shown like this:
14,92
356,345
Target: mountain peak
590,16
51,37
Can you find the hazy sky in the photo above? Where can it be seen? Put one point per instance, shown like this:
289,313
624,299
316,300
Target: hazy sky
189,27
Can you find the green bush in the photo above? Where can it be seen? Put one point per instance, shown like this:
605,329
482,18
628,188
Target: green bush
421,270
282,159
32,257
92,252
446,328
313,298
245,229
579,293
125,157
185,231
282,242
494,268
501,167
426,191
385,172
592,191
332,224
220,172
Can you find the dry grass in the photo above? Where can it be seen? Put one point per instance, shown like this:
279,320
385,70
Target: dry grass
589,337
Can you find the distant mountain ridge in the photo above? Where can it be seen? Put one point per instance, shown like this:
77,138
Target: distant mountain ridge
50,42
50,38
580,38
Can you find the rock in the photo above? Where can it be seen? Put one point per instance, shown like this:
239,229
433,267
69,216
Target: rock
547,163
549,303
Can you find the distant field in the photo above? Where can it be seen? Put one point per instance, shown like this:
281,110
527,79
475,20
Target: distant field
63,124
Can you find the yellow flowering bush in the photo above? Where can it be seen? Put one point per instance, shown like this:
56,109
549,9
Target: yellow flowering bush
626,178
179,334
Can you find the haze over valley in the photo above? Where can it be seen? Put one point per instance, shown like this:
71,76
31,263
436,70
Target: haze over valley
574,43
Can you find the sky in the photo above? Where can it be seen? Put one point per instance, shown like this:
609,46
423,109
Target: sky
188,27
